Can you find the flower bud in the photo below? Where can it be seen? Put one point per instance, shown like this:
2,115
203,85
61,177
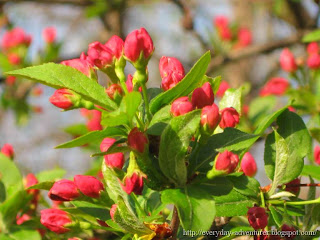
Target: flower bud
224,86
100,55
275,86
10,80
102,223
221,21
181,106
114,160
313,61
55,219
317,154
313,48
83,65
222,25
210,118
133,183
293,186
113,210
49,34
229,118
248,165
114,91
137,140
244,37
138,47
257,217
227,162
15,37
94,122
14,59
65,99
22,219
88,185
7,150
115,44
171,72
202,96
289,231
287,61
63,190
29,181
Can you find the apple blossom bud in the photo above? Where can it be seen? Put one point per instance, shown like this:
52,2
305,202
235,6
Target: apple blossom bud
49,34
313,48
275,86
114,160
14,59
14,38
317,154
291,109
133,183
65,98
289,231
29,181
137,140
181,106
113,210
82,65
224,86
138,47
229,118
114,91
227,162
221,21
248,165
7,150
55,220
22,219
202,96
293,186
257,217
115,44
210,118
313,61
171,72
102,223
94,122
63,190
287,61
244,37
88,185
222,25
10,80
100,55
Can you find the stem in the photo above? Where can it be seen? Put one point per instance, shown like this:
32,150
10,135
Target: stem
122,77
278,202
175,222
262,199
140,123
146,101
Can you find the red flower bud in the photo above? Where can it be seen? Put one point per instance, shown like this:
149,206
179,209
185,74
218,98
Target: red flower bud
63,190
130,84
222,25
115,44
257,217
290,232
137,140
171,72
10,80
202,96
317,154
293,186
275,86
100,55
49,34
287,61
112,160
244,37
181,106
15,37
221,21
7,150
210,117
94,123
55,219
224,86
226,161
229,118
102,223
29,181
88,185
37,91
134,183
113,210
83,65
248,165
291,109
22,219
14,59
313,48
137,42
64,98
113,90
313,61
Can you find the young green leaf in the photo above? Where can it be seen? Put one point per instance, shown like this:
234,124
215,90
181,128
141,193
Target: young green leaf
312,37
51,175
231,98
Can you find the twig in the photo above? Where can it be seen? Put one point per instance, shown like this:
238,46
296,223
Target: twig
175,222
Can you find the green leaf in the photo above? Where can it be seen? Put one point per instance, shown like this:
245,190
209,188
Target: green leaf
94,210
51,175
277,215
174,144
159,121
260,107
184,87
94,136
312,37
131,102
61,76
231,98
311,170
215,83
47,185
192,203
77,129
19,233
245,185
5,65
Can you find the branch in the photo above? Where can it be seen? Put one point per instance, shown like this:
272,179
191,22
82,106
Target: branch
73,2
175,222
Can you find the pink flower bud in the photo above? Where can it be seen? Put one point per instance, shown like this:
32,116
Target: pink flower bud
113,210
244,37
257,217
248,165
171,72
55,219
293,186
114,160
14,59
210,117
10,80
15,37
313,61
114,90
81,65
221,21
226,161
100,55
64,98
224,86
137,42
49,34
7,150
225,34
63,190
313,48
37,91
88,185
22,219
181,106
115,44
289,231
275,86
287,61
133,183
94,122
291,109
137,140
317,154
229,118
130,84
202,96
29,181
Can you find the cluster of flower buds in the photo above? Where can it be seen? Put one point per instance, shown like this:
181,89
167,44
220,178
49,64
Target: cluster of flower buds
248,165
257,217
7,150
171,72
114,160
275,86
317,154
15,38
93,119
67,190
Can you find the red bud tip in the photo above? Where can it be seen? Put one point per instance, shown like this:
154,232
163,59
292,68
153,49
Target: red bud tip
171,72
49,34
227,161
317,154
7,150
114,160
115,44
229,118
62,98
275,86
88,185
248,165
137,140
113,210
202,96
287,61
63,190
55,219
